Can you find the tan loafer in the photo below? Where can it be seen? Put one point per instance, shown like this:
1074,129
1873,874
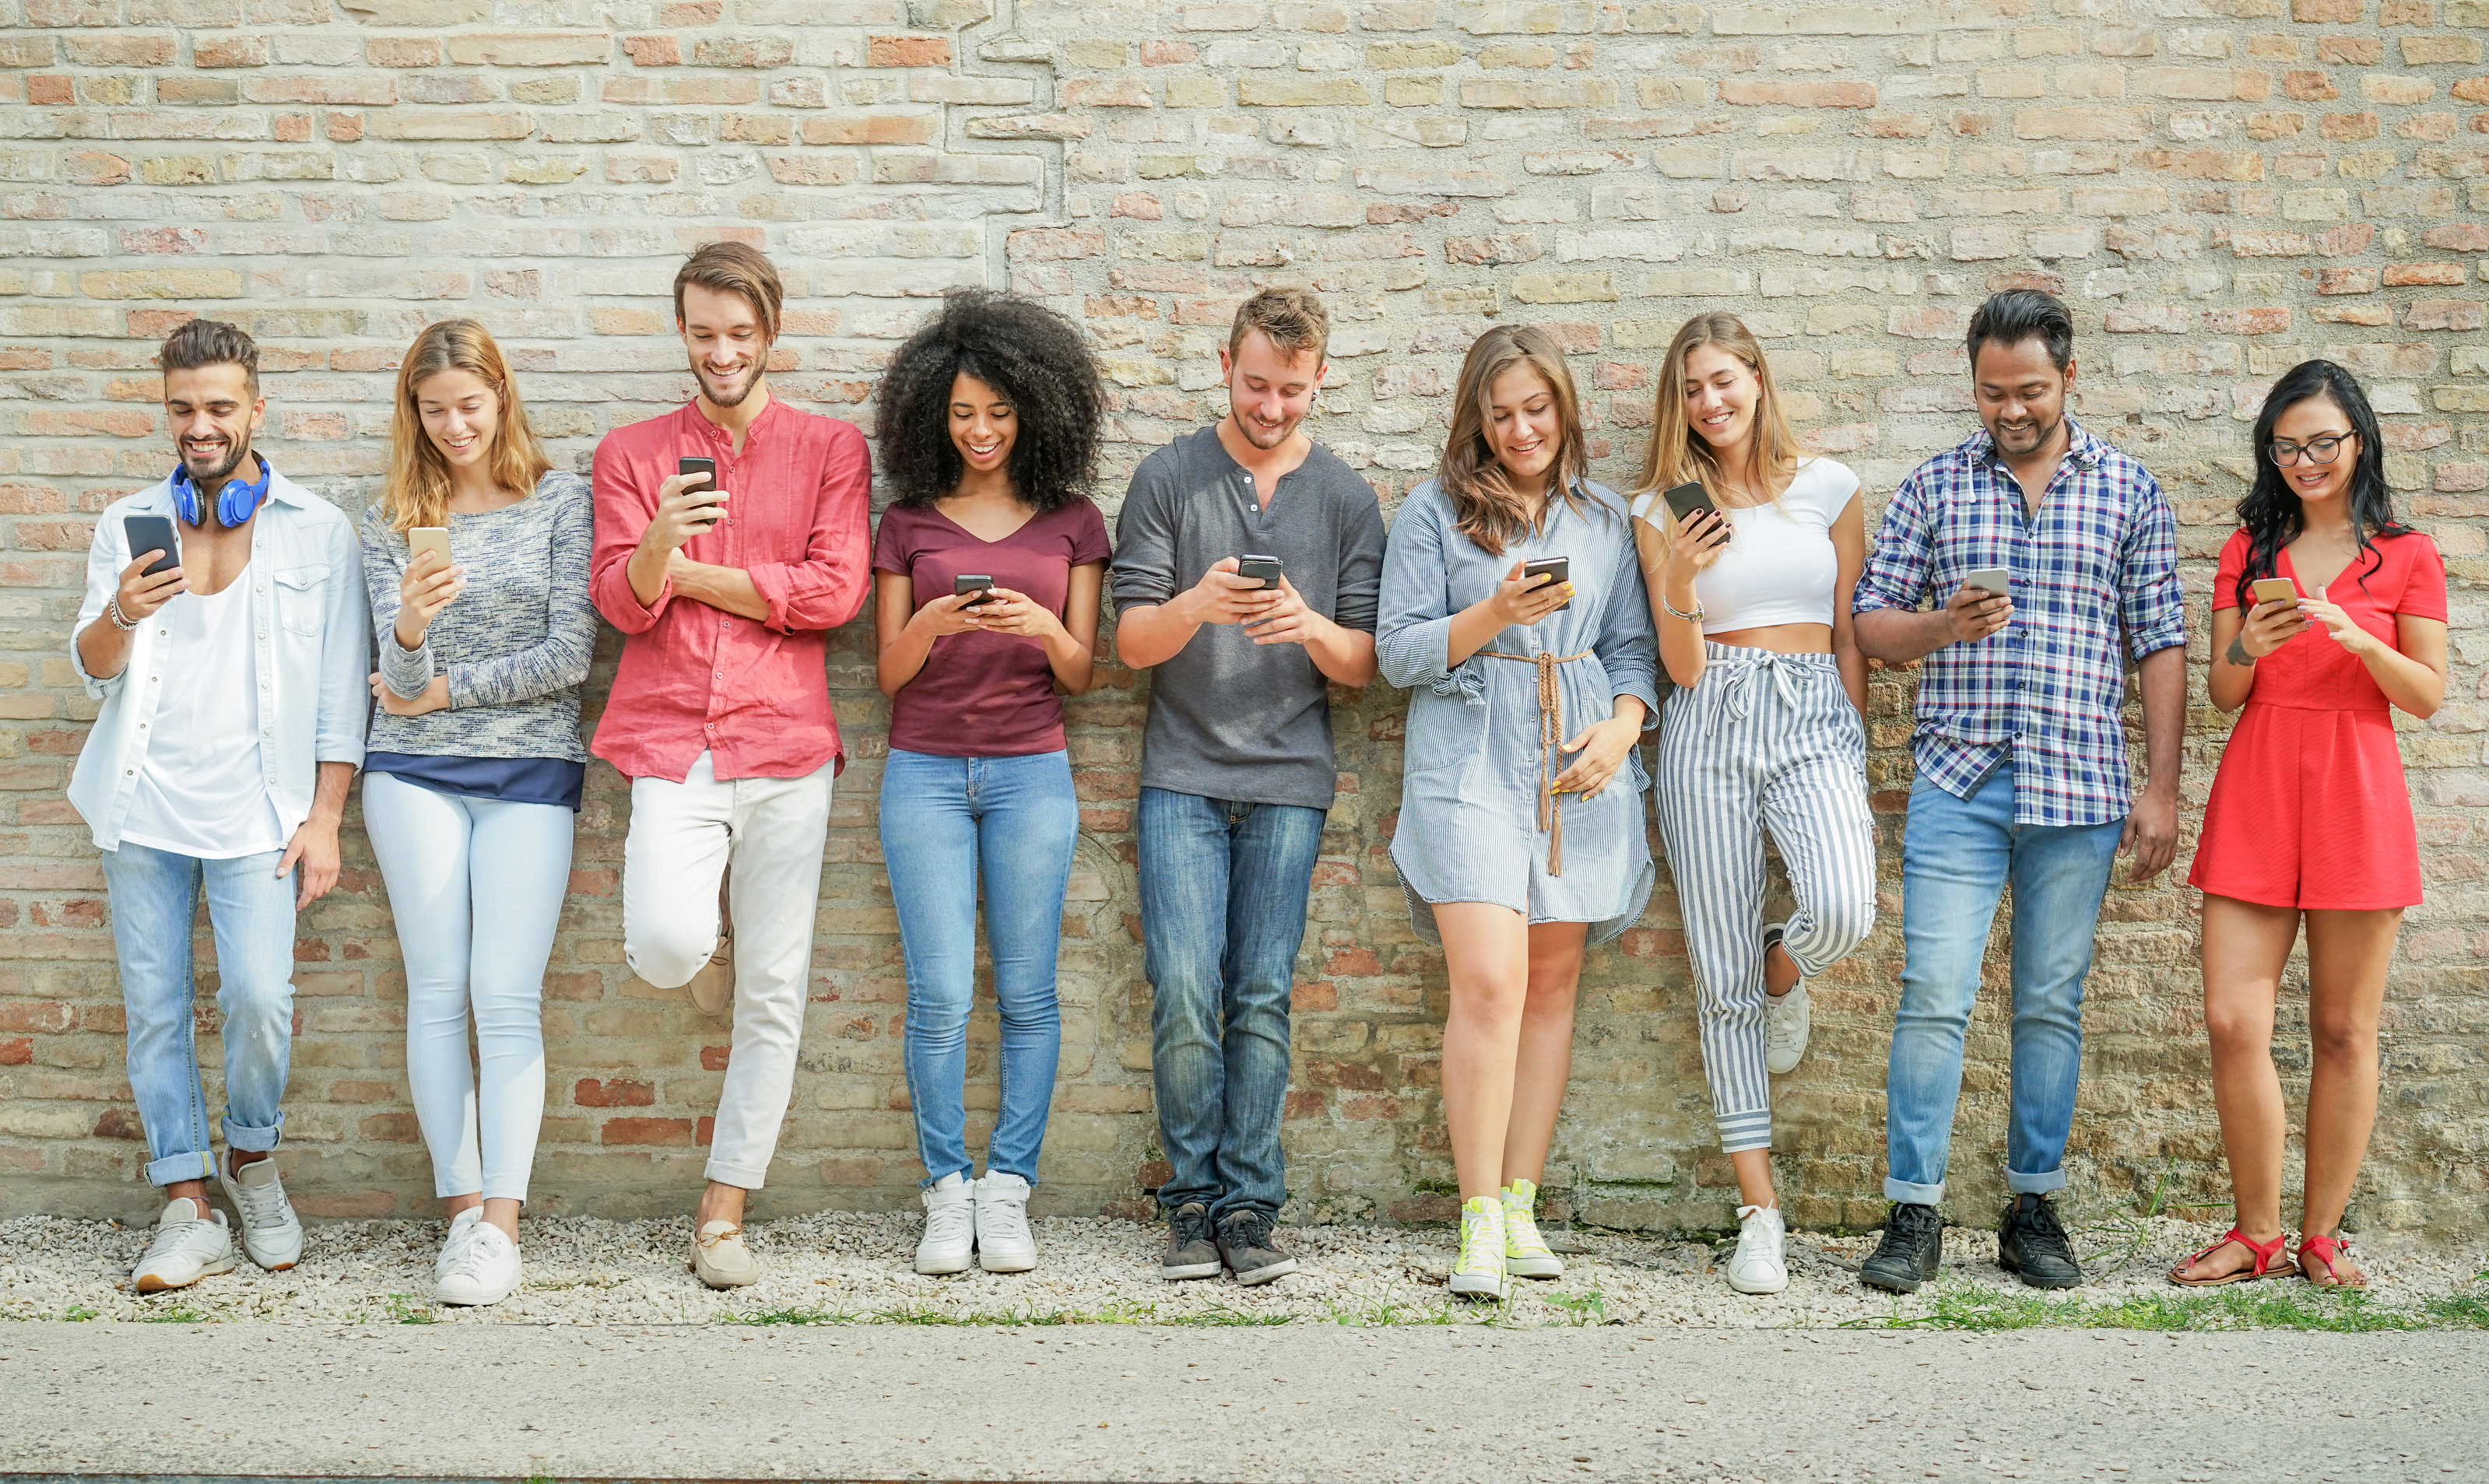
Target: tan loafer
712,989
721,1259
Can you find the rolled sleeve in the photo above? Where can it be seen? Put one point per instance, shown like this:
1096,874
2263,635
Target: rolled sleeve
1144,562
1628,646
2151,603
345,648
1358,600
828,586
1412,625
1899,569
623,510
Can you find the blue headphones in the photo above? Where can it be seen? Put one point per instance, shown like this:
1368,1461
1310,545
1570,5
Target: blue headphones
236,502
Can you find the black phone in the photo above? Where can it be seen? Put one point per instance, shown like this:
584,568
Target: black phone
1559,570
152,533
706,467
973,581
1267,568
1690,499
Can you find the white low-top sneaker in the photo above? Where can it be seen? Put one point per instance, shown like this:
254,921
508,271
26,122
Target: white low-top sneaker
484,1268
1786,1021
1004,1244
270,1232
461,1227
1758,1267
187,1247
949,1225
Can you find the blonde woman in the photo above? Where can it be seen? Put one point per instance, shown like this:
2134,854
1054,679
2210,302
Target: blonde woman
1750,591
1520,840
474,768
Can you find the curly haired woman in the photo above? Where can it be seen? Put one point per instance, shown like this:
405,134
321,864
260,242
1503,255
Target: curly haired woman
987,573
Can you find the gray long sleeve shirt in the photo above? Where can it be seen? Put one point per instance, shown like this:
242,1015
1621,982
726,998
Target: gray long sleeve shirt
1230,718
515,644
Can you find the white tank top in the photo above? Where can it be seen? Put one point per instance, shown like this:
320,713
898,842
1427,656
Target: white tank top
1778,567
200,793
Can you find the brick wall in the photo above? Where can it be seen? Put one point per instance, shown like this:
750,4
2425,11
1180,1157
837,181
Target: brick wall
2220,188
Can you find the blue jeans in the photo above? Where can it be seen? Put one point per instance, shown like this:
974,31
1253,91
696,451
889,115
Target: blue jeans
250,908
1224,889
1957,855
947,822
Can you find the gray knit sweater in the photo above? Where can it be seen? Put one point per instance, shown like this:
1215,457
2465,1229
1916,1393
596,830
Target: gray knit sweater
515,644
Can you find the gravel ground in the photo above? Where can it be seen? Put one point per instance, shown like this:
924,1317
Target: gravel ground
587,1271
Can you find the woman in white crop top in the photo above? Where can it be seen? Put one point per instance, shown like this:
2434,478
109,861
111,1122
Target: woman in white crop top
1751,597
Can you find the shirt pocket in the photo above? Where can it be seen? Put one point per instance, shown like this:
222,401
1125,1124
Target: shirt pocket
1444,732
303,597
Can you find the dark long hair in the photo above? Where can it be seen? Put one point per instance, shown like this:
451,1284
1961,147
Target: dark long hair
1485,505
1039,363
2271,511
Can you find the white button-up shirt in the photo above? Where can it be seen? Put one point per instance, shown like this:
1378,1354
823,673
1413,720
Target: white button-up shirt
314,651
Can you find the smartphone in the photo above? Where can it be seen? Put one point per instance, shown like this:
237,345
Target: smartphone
1691,498
420,539
1267,568
2275,589
1557,569
973,581
706,467
152,533
1995,580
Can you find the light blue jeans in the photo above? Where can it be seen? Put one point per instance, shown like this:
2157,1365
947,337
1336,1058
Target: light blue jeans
250,909
476,888
1224,889
947,824
1957,855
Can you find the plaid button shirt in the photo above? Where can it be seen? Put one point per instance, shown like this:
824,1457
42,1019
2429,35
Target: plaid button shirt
2048,688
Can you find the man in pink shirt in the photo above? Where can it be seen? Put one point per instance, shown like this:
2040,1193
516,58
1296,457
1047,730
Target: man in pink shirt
725,590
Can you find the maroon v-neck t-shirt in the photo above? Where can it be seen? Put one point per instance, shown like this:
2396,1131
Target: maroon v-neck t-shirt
986,695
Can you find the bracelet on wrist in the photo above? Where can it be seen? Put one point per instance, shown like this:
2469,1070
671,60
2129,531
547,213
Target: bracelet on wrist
1674,612
119,620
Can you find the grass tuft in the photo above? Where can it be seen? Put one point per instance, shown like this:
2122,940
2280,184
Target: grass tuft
2265,1305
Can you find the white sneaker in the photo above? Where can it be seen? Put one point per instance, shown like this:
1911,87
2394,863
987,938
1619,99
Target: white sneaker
1526,1254
1758,1266
1479,1268
949,1225
461,1227
1004,1244
270,1232
484,1268
186,1248
1786,1020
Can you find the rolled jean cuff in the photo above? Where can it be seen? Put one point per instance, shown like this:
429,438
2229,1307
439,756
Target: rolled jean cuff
1909,1194
743,1176
256,1141
2036,1184
173,1169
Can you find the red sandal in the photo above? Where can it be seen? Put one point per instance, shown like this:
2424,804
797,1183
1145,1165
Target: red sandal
2266,1255
2328,1250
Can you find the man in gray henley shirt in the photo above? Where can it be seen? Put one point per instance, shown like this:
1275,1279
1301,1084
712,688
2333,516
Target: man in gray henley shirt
1236,764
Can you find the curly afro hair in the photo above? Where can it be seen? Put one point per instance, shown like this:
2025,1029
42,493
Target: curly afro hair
1035,357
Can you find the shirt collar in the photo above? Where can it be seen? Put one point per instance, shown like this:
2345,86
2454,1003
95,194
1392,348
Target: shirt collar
709,432
2083,449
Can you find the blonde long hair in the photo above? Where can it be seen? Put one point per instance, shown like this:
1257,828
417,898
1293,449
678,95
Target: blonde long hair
417,492
1679,454
1485,505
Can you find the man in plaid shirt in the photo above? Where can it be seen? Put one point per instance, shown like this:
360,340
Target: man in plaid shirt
2023,772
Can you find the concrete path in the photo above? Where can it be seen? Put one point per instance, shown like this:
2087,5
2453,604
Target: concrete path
1312,1402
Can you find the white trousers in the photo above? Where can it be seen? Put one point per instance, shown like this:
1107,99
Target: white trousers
683,836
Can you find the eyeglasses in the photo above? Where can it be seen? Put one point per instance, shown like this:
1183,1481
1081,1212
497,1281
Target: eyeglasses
2319,451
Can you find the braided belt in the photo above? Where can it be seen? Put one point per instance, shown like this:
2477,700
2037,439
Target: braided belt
1550,739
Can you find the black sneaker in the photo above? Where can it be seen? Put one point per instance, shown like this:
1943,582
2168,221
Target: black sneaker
2031,1245
1244,1245
1189,1251
1911,1251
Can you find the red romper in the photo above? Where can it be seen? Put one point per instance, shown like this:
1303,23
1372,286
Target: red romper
2309,809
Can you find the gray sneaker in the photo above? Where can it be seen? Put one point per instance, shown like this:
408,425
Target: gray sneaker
1189,1251
1244,1245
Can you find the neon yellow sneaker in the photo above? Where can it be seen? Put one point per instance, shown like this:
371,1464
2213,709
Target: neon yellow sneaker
1480,1268
1524,1251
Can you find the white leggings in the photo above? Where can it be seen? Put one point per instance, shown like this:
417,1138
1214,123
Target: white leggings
477,887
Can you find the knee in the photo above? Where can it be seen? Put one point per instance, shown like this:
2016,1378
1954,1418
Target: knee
1551,998
2237,1031
2342,1039
1488,1004
1842,922
255,1008
667,953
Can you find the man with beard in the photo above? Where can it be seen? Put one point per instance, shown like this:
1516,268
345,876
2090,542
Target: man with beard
1236,764
228,645
725,590
2022,769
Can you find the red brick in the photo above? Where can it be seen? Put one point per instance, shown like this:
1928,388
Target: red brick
612,1093
907,51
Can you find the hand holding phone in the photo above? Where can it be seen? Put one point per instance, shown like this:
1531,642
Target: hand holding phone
688,505
1698,532
147,584
1976,610
425,588
1266,569
1550,572
1997,581
2265,627
979,584
1228,593
1522,598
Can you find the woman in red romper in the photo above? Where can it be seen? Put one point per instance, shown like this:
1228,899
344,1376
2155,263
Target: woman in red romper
2310,819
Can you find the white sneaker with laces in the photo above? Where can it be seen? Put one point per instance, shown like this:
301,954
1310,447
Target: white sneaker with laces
461,1227
270,1232
1758,1267
187,1247
1004,1242
484,1270
949,1225
1786,1020
1480,1269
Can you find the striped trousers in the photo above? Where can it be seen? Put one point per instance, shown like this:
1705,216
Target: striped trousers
1763,741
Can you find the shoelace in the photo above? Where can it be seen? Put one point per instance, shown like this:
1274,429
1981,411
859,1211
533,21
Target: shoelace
948,1223
1252,1229
169,1235
1911,1224
1521,1231
261,1205
1476,1246
1190,1226
472,1253
1752,1241
1006,1218
2042,1230
719,1239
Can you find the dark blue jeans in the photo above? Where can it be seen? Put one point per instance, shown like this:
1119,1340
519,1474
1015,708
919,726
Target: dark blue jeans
1223,888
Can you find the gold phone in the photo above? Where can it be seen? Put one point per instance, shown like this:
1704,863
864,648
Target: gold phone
2274,589
420,539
